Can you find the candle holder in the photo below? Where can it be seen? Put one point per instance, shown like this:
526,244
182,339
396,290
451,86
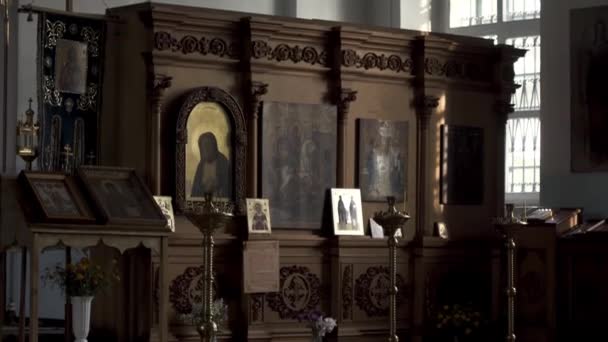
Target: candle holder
208,218
391,221
507,226
27,138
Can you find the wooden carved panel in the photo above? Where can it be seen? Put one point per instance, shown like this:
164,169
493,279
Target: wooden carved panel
372,291
299,292
531,285
347,292
257,307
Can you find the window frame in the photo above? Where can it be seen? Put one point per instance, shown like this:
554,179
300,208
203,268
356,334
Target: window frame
503,30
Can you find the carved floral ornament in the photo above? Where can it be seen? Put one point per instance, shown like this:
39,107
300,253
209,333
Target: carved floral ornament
347,292
299,292
189,44
367,60
186,289
371,60
456,69
284,52
372,291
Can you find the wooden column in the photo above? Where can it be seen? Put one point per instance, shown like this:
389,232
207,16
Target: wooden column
425,106
22,294
346,96
3,272
68,304
34,280
163,299
257,91
159,84
502,109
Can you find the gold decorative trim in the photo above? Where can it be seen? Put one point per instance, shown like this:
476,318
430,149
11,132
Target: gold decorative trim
91,37
51,95
88,100
55,31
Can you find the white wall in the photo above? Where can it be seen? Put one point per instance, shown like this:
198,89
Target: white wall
415,14
559,186
353,11
7,132
251,6
385,13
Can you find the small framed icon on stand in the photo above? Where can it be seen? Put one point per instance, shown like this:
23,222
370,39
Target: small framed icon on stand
258,216
346,212
441,230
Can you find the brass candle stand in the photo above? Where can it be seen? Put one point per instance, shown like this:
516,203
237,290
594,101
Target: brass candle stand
208,218
391,221
507,226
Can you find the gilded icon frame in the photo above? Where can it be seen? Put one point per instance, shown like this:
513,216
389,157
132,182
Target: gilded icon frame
238,146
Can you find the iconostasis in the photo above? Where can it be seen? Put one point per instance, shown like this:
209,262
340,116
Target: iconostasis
304,128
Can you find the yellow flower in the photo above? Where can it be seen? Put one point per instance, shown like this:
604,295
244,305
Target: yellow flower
79,276
467,331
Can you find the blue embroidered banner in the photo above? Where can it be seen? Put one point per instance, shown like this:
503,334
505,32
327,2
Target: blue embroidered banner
71,51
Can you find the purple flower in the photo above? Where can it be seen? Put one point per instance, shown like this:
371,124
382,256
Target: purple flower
319,324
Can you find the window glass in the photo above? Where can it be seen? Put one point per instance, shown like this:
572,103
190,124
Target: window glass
472,12
527,74
523,155
520,9
522,167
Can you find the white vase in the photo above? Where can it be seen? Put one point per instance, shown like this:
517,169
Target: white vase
81,317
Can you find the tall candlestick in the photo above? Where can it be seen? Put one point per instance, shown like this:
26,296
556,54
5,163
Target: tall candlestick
391,221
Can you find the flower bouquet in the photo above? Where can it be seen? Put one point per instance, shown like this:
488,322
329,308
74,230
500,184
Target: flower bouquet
458,321
80,281
319,324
